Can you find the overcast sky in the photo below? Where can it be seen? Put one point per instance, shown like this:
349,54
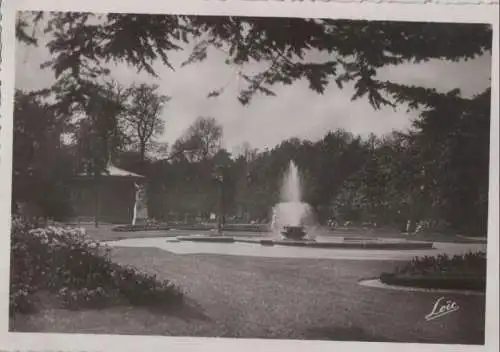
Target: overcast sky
296,111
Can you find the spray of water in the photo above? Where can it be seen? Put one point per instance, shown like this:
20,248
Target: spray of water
291,211
291,189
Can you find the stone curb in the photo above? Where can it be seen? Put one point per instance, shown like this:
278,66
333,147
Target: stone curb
312,244
376,283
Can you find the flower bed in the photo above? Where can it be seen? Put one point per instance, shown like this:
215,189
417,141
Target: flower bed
77,269
143,227
227,227
192,227
460,272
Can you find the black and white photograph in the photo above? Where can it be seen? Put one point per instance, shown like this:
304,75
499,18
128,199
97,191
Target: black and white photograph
251,177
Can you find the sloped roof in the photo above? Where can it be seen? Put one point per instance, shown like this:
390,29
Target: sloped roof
114,171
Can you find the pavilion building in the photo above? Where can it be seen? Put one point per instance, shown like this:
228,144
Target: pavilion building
116,196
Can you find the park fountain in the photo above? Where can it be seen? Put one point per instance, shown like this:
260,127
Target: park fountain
292,217
294,224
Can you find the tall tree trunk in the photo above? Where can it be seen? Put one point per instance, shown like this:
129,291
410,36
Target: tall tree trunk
142,151
97,185
221,216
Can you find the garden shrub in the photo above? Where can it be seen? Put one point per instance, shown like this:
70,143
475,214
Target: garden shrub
77,269
141,288
471,263
23,283
466,271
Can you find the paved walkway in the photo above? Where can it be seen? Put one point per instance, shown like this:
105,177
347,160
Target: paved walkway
257,250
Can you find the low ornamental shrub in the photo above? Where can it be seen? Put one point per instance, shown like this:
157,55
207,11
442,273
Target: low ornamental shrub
77,269
23,279
471,263
143,227
466,272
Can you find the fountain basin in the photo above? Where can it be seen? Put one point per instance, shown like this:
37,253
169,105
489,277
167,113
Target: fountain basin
296,233
372,244
217,239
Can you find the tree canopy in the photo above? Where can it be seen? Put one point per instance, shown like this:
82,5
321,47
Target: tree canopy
144,109
317,50
201,141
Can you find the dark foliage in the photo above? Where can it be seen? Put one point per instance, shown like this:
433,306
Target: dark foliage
465,272
295,48
41,164
78,270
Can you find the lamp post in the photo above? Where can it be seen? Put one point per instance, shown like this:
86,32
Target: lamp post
96,175
220,173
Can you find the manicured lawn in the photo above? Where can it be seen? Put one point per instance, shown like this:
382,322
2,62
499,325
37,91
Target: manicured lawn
233,296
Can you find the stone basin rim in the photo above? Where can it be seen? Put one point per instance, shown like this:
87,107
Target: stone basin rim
367,244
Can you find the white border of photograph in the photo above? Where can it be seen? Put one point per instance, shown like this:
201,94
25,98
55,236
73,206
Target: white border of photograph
354,10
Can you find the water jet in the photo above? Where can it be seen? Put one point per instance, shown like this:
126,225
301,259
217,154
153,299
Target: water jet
292,218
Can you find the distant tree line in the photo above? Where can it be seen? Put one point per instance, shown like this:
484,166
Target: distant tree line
438,172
